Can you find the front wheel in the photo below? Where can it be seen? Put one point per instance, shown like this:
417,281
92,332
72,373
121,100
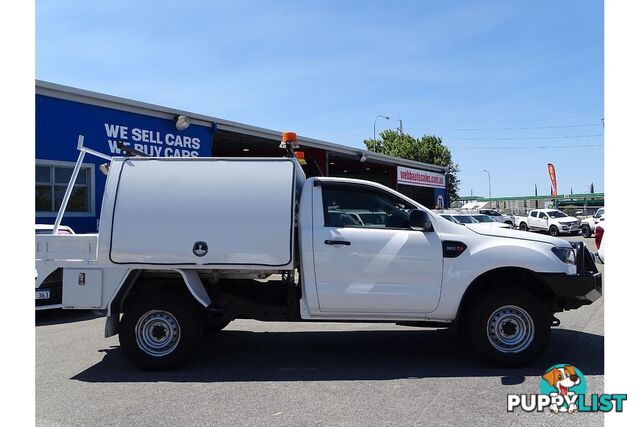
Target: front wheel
158,331
509,327
586,231
553,230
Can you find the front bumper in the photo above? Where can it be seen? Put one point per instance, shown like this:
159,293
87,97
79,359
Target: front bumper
572,228
575,290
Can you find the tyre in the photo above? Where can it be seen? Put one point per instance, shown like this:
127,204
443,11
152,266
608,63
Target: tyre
553,230
523,226
508,327
158,331
586,231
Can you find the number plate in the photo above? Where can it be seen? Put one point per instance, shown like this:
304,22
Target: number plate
43,294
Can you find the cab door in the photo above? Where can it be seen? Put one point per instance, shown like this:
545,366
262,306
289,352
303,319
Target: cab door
367,259
543,220
534,222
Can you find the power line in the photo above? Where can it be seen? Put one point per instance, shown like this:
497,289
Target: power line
530,128
363,129
530,148
598,116
522,138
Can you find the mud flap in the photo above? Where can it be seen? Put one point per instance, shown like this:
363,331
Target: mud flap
111,325
195,286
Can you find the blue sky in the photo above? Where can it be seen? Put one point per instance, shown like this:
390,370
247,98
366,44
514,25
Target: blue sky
508,85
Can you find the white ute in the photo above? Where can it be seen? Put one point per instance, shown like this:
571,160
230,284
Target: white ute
552,221
588,225
187,245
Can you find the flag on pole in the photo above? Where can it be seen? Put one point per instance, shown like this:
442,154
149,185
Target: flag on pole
552,175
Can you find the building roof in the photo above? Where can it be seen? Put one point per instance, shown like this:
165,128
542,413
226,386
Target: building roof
94,98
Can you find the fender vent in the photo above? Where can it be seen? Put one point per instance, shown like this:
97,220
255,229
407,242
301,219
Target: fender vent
452,249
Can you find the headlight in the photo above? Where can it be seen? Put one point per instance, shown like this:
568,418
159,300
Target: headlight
567,255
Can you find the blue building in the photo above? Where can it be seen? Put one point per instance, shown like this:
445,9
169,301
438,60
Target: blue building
63,113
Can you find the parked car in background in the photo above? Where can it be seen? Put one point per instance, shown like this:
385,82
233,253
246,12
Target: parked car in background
486,220
464,219
588,225
474,220
600,241
552,221
498,216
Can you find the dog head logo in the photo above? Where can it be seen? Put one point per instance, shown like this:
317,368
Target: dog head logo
563,382
562,378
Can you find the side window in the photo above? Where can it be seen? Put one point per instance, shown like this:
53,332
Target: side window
542,215
350,206
534,214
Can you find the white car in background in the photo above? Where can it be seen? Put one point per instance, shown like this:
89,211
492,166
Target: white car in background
498,216
553,221
474,220
588,225
487,220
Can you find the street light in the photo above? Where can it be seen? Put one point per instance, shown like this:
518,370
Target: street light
489,176
374,129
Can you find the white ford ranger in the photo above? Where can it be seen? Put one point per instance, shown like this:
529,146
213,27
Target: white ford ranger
190,244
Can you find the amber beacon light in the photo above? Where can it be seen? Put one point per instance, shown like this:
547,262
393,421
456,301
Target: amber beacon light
290,137
289,142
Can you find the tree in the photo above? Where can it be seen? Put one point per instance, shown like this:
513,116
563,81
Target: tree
428,149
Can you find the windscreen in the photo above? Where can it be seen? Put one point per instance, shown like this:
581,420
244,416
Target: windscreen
556,214
483,218
465,219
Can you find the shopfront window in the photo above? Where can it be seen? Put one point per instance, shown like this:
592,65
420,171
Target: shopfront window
51,183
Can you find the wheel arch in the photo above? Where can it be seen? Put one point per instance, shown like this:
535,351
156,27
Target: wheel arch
140,281
524,279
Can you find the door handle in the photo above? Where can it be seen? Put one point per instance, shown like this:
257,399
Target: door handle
337,242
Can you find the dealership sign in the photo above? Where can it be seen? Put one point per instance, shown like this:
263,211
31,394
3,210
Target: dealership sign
154,143
409,176
60,121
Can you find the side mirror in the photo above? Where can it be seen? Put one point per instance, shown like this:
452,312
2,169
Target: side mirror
419,220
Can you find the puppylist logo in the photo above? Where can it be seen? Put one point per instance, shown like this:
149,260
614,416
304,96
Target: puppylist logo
563,389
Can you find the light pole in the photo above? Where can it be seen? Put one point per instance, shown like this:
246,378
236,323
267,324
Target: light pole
374,129
489,176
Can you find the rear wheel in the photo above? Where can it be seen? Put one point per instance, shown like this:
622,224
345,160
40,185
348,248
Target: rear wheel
586,231
523,226
553,230
509,327
158,331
